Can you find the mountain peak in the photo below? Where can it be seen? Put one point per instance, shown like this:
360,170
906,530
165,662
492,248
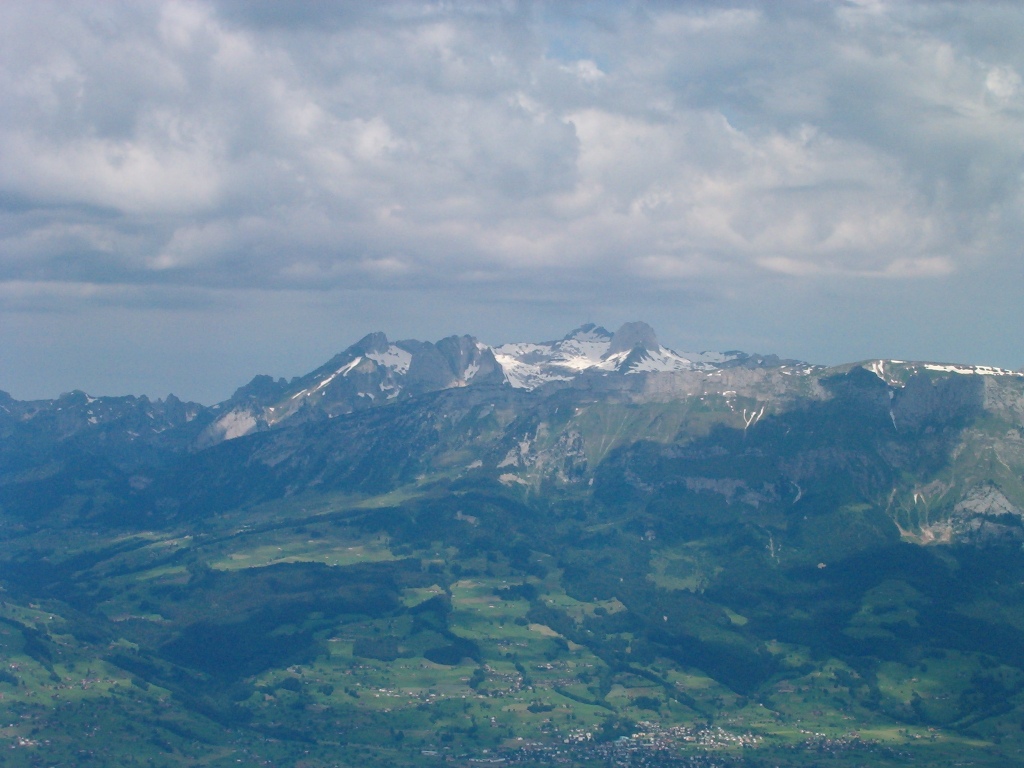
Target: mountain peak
371,342
588,332
632,335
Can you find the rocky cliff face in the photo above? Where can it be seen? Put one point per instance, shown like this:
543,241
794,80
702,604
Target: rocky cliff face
935,450
370,373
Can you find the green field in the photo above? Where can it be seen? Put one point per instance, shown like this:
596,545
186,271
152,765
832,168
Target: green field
317,635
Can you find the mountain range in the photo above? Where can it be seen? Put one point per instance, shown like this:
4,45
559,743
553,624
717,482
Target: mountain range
590,370
593,539
375,371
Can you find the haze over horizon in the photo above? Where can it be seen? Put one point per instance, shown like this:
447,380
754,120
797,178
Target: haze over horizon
192,193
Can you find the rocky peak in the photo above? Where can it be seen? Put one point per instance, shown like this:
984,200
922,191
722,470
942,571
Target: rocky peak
371,342
588,332
631,336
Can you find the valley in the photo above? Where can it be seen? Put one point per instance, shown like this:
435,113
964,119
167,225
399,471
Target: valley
739,561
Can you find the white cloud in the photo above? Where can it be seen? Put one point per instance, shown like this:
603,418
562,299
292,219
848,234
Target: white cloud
288,146
438,135
1003,83
132,177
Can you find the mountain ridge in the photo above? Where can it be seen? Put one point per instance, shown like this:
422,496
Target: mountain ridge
375,371
642,543
614,396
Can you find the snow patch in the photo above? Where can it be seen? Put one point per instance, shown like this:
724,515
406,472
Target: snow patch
981,370
343,371
528,365
664,360
753,418
522,375
395,358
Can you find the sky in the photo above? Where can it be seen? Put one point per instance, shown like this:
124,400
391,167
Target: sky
193,193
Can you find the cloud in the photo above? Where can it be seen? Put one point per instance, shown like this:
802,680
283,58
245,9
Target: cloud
285,146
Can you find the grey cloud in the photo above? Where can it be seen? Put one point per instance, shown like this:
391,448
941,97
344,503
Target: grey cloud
461,148
260,147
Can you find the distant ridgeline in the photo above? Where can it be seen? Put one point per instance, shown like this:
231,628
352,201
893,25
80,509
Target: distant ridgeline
596,545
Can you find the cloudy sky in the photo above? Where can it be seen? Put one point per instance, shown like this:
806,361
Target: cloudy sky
192,193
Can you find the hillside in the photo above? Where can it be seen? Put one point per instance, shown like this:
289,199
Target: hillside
424,552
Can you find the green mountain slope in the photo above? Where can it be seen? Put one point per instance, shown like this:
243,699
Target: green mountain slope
739,566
